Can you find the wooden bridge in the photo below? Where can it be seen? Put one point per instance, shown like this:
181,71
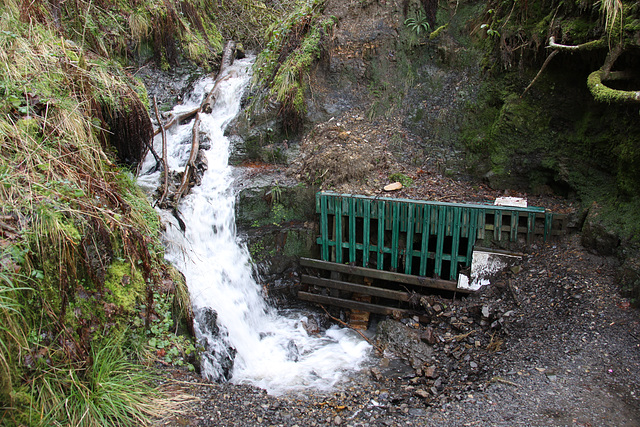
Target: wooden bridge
411,244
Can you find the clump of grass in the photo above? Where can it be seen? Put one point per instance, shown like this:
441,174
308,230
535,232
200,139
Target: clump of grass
108,390
12,334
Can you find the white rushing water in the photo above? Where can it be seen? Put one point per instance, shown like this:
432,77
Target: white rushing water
272,351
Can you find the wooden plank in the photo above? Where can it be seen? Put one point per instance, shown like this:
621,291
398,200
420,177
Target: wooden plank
434,203
497,225
515,218
366,232
425,282
354,287
482,223
324,228
381,206
408,258
352,230
426,218
395,235
453,270
357,305
338,230
464,223
473,234
500,251
442,226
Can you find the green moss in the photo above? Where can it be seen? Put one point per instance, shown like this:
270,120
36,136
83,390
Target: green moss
403,179
603,93
438,31
126,285
300,34
299,244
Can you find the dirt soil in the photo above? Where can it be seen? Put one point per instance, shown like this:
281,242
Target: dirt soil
354,155
549,342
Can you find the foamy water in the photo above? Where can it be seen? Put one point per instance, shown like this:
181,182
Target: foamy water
272,351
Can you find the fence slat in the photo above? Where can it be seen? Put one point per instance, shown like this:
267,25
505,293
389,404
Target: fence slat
395,235
380,262
453,270
442,227
497,225
515,218
531,226
408,258
473,224
324,224
366,232
352,230
338,230
424,247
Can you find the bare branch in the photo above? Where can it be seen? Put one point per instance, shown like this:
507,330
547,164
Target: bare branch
191,163
546,62
165,168
592,45
177,119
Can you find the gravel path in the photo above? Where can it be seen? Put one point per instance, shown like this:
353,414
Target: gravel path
553,344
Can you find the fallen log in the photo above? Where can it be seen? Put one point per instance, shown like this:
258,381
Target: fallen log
191,163
206,106
177,118
227,59
165,168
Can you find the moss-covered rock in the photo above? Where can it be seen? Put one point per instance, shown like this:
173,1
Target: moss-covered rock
595,234
279,224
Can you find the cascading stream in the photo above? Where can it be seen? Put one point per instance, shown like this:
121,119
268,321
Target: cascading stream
246,339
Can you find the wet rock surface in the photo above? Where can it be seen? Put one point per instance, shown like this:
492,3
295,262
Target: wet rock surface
549,343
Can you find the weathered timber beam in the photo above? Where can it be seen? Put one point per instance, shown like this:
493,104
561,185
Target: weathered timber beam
165,167
228,56
177,118
191,163
408,279
354,287
356,305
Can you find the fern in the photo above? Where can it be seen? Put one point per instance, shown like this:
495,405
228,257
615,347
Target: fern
418,24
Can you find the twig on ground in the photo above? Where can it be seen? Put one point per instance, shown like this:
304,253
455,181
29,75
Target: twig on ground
503,381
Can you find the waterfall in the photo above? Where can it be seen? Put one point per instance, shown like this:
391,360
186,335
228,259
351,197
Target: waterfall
246,340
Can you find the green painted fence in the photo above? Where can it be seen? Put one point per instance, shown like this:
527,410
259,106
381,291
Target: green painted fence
420,237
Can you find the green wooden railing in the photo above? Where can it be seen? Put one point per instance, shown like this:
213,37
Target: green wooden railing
419,237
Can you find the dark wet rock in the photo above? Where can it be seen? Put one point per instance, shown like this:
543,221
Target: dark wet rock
596,236
400,339
216,355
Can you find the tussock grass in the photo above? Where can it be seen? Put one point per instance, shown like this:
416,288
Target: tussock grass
109,390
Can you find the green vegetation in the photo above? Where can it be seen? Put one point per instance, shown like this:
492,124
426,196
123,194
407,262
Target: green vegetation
403,179
83,283
418,23
294,44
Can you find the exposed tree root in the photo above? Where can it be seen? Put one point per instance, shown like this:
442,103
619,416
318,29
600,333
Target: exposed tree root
600,91
546,62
